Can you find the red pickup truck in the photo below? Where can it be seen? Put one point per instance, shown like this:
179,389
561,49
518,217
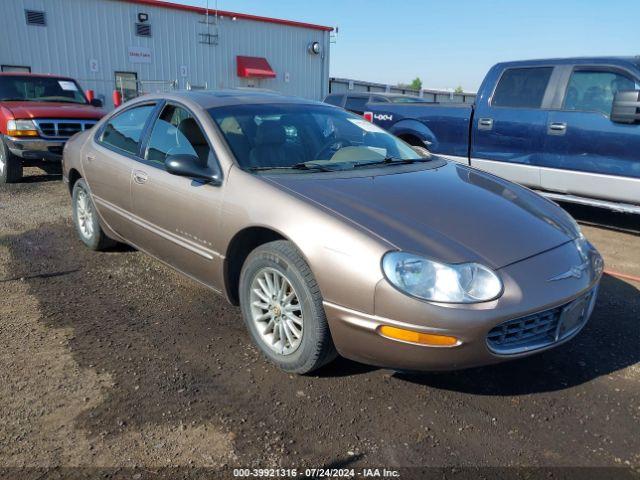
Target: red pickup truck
38,114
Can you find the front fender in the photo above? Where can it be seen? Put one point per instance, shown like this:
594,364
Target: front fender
415,129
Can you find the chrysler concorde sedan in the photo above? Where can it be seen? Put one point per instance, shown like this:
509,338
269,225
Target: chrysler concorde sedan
333,236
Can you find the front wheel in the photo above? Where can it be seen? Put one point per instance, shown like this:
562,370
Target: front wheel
85,218
282,308
10,165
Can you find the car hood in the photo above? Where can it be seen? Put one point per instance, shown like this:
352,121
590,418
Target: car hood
23,110
451,213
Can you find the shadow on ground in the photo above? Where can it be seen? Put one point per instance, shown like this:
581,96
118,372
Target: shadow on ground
600,217
179,355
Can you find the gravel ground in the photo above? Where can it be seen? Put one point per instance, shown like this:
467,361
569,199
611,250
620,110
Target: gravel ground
113,360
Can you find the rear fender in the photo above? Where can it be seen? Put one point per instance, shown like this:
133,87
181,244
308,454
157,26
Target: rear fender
415,129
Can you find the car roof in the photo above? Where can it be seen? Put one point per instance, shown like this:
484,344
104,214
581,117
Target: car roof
574,61
369,94
221,98
35,75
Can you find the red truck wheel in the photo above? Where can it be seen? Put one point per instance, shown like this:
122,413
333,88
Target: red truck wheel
10,165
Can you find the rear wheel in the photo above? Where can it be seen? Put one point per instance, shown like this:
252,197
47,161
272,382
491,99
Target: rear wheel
10,165
282,308
86,220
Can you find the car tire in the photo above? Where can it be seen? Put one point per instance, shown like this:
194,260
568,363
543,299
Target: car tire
298,297
10,165
85,219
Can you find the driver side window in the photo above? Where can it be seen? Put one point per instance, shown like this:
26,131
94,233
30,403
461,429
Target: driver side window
176,132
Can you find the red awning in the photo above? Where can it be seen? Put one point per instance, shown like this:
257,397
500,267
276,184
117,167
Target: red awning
254,67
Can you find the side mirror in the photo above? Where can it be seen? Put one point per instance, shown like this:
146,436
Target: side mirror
96,102
191,166
626,107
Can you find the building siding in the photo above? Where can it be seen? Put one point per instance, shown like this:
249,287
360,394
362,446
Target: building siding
78,31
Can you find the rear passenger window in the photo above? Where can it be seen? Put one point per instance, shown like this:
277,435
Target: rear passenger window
356,104
125,129
522,87
334,100
176,132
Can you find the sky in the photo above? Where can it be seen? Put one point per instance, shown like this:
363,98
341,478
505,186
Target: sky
449,44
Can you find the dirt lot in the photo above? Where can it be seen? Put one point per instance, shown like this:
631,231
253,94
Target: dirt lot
113,360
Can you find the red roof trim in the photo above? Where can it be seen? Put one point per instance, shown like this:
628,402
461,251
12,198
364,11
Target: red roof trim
254,67
244,16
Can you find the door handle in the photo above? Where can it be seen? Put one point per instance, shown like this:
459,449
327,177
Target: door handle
485,123
140,177
90,158
557,128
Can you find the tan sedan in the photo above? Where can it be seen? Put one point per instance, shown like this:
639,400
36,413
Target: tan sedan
332,235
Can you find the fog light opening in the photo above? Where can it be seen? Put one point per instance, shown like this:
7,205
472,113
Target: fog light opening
418,338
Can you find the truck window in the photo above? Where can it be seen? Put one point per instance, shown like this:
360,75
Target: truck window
593,90
522,87
356,104
334,99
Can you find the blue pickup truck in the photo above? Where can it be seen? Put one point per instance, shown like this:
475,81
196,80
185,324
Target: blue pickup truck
569,128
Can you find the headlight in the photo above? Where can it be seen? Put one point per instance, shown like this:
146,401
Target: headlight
589,254
440,282
21,128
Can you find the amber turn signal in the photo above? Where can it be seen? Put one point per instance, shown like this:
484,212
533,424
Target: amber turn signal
419,338
22,133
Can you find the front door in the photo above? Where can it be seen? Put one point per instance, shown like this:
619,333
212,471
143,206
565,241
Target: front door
509,128
586,154
177,218
108,163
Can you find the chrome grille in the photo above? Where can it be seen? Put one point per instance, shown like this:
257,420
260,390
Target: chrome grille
62,128
538,330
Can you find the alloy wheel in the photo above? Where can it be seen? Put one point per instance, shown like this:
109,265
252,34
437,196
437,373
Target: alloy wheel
276,311
84,214
3,161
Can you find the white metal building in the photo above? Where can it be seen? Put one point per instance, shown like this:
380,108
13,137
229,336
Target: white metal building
149,45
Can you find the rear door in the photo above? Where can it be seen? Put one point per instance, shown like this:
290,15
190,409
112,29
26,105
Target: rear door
510,127
108,163
177,218
586,154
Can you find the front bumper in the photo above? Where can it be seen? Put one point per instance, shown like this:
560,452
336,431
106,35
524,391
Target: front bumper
528,290
36,148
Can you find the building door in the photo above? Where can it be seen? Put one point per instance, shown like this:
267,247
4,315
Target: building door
127,85
585,152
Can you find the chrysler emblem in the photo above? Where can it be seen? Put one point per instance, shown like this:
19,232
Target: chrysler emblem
573,272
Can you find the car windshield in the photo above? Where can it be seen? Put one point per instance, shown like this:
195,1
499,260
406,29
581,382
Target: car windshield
40,89
307,137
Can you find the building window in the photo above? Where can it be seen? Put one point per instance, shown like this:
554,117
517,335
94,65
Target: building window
127,85
143,29
36,17
15,68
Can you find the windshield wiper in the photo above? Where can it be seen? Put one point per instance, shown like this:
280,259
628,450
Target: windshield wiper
391,161
16,99
296,166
